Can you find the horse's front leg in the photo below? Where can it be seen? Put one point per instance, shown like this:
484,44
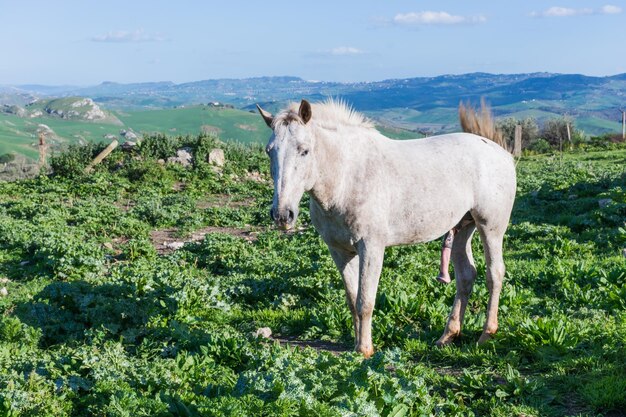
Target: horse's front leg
370,264
348,265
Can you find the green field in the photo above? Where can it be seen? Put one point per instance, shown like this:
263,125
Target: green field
101,318
19,135
229,124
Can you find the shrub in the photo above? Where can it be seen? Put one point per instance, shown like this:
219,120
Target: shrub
159,146
6,158
555,132
72,161
530,130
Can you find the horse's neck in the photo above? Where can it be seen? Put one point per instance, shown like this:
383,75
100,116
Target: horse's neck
339,160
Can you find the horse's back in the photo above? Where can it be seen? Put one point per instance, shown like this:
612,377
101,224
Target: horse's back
435,181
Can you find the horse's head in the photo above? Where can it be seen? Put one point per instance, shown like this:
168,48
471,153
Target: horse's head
290,149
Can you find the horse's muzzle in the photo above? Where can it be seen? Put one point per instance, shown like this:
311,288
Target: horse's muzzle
284,218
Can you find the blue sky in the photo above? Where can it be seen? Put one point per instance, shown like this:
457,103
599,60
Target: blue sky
86,42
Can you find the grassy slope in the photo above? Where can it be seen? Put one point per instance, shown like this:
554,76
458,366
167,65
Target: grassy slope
19,135
97,323
233,124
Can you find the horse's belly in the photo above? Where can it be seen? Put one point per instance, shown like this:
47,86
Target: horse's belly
425,216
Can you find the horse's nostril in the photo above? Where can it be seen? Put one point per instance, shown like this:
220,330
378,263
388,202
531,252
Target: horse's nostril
291,215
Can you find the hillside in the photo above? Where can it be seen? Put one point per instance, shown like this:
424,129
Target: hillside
423,103
78,120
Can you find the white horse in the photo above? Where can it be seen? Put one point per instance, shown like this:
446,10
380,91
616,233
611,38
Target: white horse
369,192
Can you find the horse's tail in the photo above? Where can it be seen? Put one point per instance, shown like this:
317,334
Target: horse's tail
480,122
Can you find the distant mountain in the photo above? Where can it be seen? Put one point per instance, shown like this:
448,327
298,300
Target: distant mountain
424,103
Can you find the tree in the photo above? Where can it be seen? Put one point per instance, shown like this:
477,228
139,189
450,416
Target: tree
530,130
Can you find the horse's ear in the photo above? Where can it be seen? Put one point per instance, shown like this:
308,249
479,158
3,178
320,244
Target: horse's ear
305,111
269,119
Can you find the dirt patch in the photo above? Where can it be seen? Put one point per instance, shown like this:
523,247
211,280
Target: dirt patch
249,128
224,200
125,206
167,241
210,130
319,345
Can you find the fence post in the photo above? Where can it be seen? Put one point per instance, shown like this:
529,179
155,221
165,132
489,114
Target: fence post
517,147
101,156
42,151
623,123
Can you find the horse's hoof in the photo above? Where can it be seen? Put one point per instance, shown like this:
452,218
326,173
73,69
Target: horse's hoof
444,279
485,337
366,352
446,339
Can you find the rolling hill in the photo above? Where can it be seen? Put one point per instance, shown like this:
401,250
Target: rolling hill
425,104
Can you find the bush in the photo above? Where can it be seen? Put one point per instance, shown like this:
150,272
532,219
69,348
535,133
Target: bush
530,130
555,132
6,158
540,146
159,146
72,161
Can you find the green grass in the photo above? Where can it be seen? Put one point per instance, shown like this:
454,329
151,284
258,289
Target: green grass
97,322
229,124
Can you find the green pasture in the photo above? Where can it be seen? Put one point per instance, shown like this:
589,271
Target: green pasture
99,317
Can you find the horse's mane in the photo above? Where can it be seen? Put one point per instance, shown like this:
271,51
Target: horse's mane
329,114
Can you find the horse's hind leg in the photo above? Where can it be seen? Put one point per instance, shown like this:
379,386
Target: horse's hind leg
465,274
492,244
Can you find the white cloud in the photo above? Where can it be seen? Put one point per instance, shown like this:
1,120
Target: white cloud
346,50
434,18
557,11
610,9
127,36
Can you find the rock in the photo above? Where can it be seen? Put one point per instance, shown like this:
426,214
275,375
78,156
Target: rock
161,161
24,263
264,332
128,134
128,145
4,292
110,136
183,157
572,197
254,176
624,252
45,130
174,245
4,280
108,245
604,202
216,157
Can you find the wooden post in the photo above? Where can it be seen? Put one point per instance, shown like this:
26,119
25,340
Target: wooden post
623,123
517,147
101,156
569,135
42,151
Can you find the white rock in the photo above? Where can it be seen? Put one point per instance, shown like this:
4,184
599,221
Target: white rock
216,157
174,245
183,157
264,332
4,292
604,202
